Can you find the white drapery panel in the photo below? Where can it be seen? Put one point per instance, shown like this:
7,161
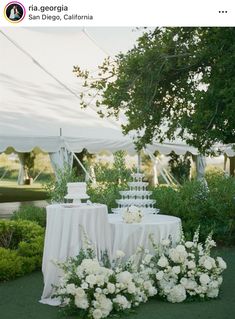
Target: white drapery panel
22,176
200,162
60,159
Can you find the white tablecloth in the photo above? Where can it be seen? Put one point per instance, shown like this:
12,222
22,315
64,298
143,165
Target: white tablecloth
127,237
63,237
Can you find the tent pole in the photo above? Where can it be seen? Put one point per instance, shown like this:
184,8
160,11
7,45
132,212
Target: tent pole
79,162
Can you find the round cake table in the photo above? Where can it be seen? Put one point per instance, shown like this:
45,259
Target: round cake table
64,237
128,237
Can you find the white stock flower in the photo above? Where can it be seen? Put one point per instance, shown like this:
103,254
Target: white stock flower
165,242
222,264
204,279
177,294
163,262
120,254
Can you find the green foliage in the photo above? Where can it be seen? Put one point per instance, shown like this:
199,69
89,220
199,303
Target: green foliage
180,76
32,213
21,248
212,208
110,180
180,167
57,188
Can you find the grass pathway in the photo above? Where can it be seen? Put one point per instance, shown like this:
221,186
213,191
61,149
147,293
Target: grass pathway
19,300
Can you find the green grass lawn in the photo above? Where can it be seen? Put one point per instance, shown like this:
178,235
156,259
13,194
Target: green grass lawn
11,192
19,300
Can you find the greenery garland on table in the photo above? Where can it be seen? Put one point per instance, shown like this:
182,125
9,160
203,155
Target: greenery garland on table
94,290
21,248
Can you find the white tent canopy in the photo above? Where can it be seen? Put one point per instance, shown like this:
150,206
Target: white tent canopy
39,94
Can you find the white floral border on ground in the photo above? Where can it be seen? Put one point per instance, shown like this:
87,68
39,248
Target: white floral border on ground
94,289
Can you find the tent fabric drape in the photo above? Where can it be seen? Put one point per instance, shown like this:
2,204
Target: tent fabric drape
22,176
200,162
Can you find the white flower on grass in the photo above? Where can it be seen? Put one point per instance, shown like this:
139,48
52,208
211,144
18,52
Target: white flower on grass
177,294
163,262
204,279
213,293
122,302
97,314
222,264
120,254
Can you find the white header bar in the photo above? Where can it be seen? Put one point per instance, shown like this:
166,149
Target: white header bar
54,13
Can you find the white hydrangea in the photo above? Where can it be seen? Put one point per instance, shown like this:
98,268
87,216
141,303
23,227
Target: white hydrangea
97,314
159,275
124,277
213,293
122,302
191,264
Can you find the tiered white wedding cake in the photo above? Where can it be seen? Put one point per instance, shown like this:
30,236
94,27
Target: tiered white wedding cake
76,191
137,195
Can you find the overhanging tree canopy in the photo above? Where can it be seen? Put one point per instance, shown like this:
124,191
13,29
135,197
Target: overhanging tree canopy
180,76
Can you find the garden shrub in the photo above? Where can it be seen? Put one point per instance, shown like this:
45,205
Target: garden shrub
21,248
32,213
212,208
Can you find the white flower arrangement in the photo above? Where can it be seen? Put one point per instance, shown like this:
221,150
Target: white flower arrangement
187,271
132,214
94,290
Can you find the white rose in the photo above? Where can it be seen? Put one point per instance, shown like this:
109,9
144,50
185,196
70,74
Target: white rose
111,288
204,279
91,280
191,264
180,248
97,314
207,264
131,288
84,285
124,277
81,302
163,262
222,264
152,291
120,254
176,269
189,244
159,275
71,289
213,293
177,294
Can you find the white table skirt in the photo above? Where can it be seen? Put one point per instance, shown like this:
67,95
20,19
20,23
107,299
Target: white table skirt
63,237
127,237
